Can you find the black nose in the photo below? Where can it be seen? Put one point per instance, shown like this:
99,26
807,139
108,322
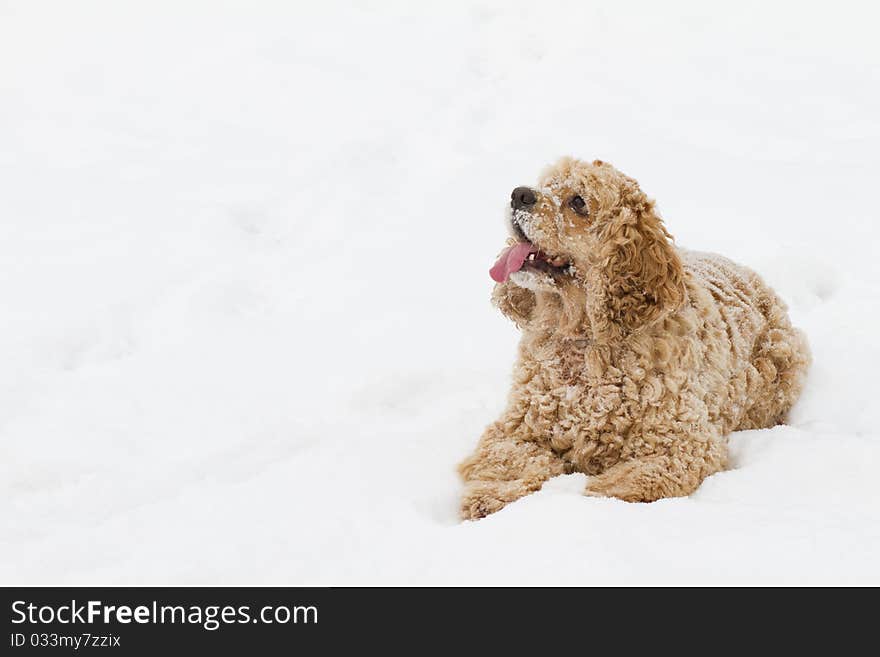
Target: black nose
522,198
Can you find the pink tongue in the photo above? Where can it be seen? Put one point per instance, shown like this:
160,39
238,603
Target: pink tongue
511,260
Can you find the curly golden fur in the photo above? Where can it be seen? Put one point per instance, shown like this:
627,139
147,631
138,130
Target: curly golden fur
637,358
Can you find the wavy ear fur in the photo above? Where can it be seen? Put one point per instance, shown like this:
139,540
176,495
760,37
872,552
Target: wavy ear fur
640,278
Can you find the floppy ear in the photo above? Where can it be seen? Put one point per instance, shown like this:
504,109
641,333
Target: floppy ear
639,278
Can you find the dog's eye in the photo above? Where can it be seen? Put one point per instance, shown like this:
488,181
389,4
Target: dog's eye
578,204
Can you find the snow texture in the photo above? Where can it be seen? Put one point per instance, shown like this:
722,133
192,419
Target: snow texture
238,346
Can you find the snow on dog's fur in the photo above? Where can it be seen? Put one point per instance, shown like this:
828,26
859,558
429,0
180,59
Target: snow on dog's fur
637,358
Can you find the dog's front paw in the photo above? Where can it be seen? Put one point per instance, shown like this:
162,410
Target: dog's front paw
484,497
609,487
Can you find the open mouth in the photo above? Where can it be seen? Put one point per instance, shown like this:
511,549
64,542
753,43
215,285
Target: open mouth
525,255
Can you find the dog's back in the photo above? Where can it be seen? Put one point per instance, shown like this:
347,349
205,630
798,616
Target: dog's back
774,355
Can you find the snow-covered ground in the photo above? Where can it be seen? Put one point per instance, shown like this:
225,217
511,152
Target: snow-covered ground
244,247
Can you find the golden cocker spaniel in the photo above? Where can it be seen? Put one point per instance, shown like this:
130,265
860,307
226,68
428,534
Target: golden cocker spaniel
637,358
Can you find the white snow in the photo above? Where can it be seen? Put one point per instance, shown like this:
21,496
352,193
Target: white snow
244,248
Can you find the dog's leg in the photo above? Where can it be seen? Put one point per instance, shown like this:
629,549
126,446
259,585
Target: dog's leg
516,302
650,478
503,469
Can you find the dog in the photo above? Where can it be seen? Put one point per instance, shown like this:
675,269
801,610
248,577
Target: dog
637,358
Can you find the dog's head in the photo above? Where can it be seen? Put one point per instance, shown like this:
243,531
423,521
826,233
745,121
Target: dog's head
588,235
